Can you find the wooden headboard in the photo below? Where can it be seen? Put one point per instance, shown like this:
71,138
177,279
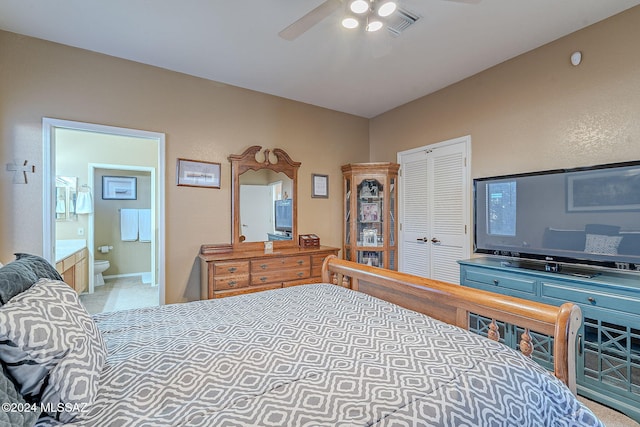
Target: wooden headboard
453,303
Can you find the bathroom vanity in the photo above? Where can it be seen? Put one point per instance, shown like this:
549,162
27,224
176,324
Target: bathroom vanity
72,263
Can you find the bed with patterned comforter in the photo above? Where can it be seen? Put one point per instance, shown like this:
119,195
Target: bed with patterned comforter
314,355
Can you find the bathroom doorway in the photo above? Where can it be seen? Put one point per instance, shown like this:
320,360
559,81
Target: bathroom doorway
80,149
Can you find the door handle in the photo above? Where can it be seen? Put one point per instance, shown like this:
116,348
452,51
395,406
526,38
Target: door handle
424,239
434,240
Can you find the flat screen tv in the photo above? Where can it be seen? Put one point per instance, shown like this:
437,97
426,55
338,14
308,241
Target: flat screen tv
588,215
283,215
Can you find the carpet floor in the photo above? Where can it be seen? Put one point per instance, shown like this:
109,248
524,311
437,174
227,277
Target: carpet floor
609,417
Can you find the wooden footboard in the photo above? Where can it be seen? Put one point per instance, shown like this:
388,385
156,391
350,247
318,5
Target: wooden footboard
453,303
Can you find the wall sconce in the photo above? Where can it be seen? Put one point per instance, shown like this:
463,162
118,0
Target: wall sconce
20,178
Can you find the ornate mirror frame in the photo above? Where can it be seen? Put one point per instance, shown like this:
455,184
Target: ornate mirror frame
247,161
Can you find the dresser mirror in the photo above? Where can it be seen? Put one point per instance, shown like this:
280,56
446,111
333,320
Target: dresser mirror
264,198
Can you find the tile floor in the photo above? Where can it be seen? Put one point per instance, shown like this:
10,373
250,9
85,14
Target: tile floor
120,294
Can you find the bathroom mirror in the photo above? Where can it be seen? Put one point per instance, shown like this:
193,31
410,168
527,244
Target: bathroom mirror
66,196
264,198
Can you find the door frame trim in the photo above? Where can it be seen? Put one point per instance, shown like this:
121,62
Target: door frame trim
48,180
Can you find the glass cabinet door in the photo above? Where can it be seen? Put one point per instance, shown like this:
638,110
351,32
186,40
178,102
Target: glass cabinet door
370,209
347,213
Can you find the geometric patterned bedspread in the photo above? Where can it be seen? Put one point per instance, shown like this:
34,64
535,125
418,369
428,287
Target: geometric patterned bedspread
316,355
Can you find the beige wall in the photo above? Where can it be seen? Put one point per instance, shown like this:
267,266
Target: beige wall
126,257
536,111
202,120
76,149
533,112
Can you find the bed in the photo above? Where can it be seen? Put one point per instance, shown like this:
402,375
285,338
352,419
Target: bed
310,355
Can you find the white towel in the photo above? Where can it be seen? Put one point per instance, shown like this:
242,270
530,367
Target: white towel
60,206
83,204
144,224
129,225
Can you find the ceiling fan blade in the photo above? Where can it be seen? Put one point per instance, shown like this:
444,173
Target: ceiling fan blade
303,24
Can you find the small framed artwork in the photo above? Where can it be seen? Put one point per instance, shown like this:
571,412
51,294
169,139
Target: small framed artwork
369,189
369,237
369,212
320,186
194,173
119,187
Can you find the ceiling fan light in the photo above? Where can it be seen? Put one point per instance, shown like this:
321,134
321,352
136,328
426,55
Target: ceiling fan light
350,23
387,8
359,6
374,26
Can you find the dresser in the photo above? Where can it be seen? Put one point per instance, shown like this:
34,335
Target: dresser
608,353
244,271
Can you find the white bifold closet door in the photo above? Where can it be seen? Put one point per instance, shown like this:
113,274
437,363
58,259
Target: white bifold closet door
434,209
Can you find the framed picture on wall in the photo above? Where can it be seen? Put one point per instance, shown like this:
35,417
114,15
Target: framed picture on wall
319,186
194,173
119,187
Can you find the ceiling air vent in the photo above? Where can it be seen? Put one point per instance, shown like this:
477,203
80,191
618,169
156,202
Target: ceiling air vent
400,21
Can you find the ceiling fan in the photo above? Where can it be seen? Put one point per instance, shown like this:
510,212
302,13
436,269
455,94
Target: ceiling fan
326,8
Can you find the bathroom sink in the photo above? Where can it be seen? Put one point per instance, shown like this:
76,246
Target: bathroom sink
66,247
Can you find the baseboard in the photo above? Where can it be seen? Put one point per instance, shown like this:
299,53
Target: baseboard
146,276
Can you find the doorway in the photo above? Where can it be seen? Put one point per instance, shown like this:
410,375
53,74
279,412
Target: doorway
255,225
95,145
434,209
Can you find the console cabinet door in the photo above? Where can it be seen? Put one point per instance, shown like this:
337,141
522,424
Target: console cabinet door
608,353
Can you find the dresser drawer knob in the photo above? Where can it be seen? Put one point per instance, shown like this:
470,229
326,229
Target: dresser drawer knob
300,262
263,279
300,274
232,283
496,281
263,266
232,269
592,300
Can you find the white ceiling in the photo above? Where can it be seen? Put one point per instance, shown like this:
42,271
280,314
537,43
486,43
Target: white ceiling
237,42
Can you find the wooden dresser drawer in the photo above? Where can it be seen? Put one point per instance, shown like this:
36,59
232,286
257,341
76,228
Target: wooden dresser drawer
274,264
231,267
492,280
281,275
316,264
226,282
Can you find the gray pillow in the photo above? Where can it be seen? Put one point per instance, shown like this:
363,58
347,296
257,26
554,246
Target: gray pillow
21,274
40,266
52,347
9,394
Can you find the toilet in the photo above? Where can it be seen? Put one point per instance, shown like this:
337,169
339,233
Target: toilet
99,266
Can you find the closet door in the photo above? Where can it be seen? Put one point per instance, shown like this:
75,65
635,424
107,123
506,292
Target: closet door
434,209
414,249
